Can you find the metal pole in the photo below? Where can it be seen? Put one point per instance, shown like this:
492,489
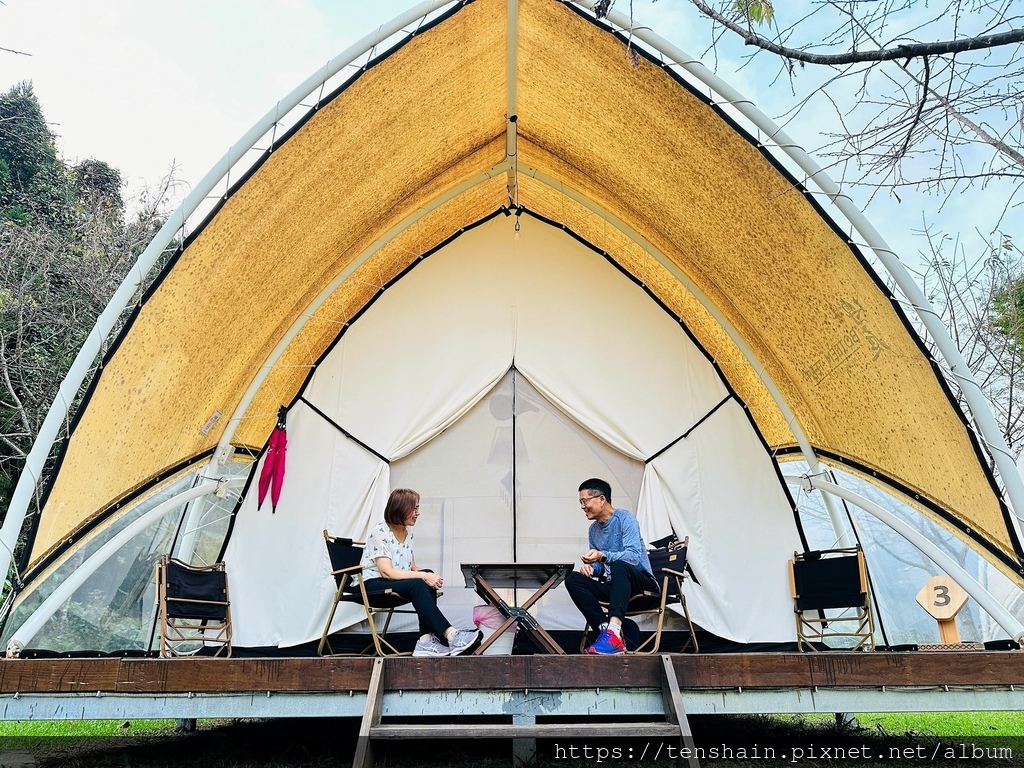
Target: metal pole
24,634
123,295
976,402
512,82
982,596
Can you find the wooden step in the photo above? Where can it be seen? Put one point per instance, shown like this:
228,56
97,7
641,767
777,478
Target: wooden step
451,730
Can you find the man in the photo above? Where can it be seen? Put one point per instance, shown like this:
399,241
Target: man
614,569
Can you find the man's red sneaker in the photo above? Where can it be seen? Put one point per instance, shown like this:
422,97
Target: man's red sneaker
608,644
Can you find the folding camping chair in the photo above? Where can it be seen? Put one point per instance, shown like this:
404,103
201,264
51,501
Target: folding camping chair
668,563
194,610
347,571
830,597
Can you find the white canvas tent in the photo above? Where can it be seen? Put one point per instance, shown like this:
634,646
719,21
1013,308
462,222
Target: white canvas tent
418,364
473,270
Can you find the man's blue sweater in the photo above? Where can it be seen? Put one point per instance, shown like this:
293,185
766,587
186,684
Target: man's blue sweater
619,539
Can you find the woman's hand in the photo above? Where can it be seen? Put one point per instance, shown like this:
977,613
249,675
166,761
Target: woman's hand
434,581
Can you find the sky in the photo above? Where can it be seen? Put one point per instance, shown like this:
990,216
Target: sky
148,86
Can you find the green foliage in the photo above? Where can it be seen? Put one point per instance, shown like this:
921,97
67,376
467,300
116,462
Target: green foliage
83,728
6,185
757,11
94,179
65,246
947,724
16,215
26,143
1007,316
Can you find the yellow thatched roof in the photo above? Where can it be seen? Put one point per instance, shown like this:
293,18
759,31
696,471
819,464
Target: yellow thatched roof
643,151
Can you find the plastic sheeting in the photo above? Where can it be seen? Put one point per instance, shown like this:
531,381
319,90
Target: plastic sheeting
604,360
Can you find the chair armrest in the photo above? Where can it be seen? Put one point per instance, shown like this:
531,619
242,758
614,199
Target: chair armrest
680,574
350,569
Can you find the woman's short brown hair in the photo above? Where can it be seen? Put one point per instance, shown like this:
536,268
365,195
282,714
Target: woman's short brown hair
401,503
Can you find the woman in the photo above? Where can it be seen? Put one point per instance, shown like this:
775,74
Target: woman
388,562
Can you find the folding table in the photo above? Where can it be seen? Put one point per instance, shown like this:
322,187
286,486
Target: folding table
486,577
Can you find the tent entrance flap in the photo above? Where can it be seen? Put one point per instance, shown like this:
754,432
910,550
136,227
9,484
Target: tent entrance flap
487,380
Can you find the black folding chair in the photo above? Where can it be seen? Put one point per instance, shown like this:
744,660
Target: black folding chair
194,608
668,564
831,599
346,556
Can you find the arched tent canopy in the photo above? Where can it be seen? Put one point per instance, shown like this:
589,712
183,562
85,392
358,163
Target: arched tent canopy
637,175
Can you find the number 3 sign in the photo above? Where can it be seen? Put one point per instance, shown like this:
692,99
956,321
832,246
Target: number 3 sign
943,598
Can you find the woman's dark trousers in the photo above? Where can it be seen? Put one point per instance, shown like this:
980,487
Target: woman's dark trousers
424,600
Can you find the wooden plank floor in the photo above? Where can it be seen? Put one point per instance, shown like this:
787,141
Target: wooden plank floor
732,670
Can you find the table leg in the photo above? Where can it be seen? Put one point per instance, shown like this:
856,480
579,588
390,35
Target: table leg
505,626
537,634
493,598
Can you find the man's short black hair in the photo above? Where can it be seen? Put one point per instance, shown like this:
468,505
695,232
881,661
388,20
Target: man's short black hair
597,486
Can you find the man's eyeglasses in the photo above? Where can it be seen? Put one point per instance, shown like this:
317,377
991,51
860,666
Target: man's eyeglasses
583,501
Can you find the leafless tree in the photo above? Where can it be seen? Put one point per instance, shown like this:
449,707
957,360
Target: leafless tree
927,96
979,295
54,282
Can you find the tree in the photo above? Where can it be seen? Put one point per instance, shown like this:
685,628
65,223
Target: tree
926,96
980,299
66,243
28,158
26,143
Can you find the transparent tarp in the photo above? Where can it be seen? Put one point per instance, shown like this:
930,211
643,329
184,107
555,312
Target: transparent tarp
114,608
205,524
898,570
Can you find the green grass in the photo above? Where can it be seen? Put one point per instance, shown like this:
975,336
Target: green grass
938,724
84,728
948,724
326,743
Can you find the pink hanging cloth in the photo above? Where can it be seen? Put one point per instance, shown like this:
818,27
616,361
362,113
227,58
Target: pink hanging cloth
272,474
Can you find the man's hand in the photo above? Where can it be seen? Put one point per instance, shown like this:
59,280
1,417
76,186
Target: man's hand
592,556
587,570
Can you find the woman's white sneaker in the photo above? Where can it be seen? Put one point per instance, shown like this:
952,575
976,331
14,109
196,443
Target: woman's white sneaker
431,646
464,641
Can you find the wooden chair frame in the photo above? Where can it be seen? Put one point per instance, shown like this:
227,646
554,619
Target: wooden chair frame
387,602
641,604
177,627
817,620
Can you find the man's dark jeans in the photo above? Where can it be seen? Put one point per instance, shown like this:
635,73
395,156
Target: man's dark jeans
626,580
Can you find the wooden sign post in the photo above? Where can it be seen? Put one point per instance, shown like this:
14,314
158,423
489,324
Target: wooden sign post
943,598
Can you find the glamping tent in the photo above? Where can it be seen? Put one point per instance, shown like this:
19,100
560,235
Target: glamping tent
497,248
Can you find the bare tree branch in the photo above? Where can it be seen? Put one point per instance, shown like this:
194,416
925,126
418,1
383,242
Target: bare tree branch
904,51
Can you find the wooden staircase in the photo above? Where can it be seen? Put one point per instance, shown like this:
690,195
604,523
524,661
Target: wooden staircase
524,734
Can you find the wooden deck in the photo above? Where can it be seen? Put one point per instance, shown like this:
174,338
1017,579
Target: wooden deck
496,673
525,697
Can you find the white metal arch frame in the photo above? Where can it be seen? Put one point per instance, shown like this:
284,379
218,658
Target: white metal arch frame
1009,623
31,626
175,223
510,166
780,142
